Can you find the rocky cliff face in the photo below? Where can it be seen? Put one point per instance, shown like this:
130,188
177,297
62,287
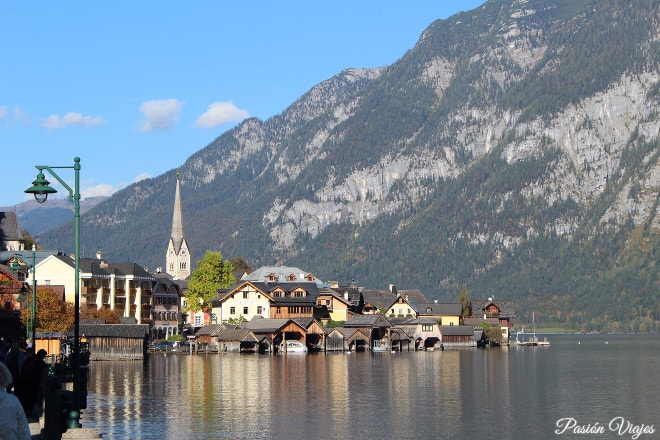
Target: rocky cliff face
590,134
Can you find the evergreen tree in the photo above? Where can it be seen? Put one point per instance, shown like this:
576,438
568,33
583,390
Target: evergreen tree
464,300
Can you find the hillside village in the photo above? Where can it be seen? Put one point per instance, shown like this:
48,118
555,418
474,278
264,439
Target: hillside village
263,311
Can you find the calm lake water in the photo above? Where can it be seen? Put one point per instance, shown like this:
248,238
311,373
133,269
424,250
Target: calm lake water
512,393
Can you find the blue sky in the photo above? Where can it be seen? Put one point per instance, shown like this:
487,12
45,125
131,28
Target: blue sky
135,88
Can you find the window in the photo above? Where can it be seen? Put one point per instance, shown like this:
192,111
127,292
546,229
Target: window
232,310
245,310
245,294
427,327
198,320
260,310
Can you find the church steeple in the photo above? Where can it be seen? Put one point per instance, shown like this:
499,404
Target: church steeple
178,257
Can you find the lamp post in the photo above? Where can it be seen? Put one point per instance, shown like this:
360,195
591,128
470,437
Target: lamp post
40,189
32,323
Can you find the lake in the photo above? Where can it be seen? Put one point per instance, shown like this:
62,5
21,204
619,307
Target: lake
606,384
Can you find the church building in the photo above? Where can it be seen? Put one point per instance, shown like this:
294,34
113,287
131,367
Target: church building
178,256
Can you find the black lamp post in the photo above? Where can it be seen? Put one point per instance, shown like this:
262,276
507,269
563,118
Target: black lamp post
40,189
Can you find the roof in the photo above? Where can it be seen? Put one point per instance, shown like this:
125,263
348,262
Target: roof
26,256
209,330
259,324
134,269
373,321
9,229
354,294
102,269
333,293
453,309
413,321
413,296
379,298
165,284
237,334
457,330
268,287
282,274
507,308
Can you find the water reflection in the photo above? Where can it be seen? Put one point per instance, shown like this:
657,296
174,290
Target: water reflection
511,392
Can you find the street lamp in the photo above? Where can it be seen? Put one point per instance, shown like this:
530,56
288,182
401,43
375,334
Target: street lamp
40,189
32,324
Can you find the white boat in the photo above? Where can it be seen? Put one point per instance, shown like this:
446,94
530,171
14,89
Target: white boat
295,347
533,341
380,345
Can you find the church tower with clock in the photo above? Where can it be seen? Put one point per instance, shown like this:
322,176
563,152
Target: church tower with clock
178,255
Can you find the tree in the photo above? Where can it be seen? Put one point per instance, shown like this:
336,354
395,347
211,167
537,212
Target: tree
492,333
239,264
212,273
109,316
464,299
236,321
53,314
29,240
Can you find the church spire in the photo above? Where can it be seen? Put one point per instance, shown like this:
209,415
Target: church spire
177,217
178,257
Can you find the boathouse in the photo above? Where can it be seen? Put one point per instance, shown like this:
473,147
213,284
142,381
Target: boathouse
115,341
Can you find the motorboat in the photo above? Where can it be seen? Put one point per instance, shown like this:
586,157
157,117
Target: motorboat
295,347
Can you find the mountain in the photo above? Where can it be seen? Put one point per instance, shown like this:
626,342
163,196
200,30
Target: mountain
37,218
513,150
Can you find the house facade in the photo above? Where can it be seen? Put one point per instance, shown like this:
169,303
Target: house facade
401,308
444,313
166,309
501,311
125,287
11,237
271,293
334,306
244,301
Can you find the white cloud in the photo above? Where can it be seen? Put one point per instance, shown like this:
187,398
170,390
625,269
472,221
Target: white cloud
53,122
142,176
9,116
20,116
160,114
102,189
220,113
90,187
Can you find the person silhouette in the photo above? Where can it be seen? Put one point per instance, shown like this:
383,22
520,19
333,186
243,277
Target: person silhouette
13,421
30,380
